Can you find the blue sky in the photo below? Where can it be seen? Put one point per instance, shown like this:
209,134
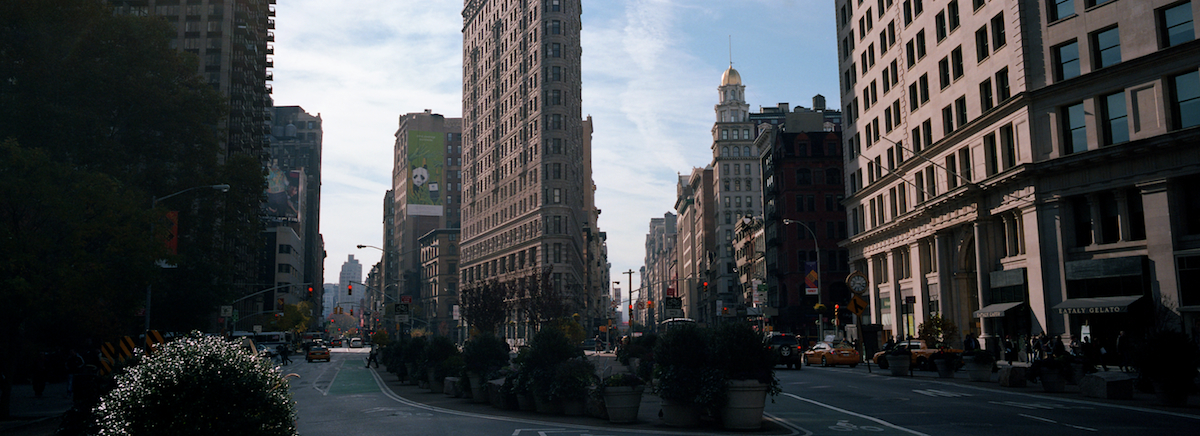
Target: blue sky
650,74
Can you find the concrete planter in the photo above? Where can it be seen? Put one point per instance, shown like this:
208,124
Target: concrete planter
478,392
979,371
623,402
744,410
680,413
898,365
945,368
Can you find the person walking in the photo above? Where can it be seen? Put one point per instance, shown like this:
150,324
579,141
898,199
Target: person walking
970,343
1124,351
1092,355
284,353
373,357
1057,349
1010,350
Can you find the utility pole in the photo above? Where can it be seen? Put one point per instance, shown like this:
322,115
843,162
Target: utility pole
630,274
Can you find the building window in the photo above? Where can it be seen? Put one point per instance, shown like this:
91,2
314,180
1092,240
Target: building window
1074,129
724,134
948,120
944,72
1059,9
960,109
998,38
1002,90
921,44
939,26
803,176
981,44
1106,46
1175,23
990,161
985,95
952,14
1185,99
1066,61
1081,214
1114,118
956,62
1008,146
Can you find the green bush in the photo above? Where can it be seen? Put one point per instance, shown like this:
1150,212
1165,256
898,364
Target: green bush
572,379
485,354
413,350
683,368
199,386
441,355
548,348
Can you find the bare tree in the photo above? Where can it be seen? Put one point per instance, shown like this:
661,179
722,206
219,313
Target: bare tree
486,304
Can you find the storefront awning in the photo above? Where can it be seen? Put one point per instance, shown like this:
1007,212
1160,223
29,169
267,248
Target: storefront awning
1096,305
996,310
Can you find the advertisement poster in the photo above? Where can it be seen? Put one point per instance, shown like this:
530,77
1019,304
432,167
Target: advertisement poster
284,191
426,159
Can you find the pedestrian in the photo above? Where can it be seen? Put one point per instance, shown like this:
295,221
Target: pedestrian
373,357
1091,354
1124,351
1057,349
284,352
970,343
1038,347
1010,350
891,343
74,366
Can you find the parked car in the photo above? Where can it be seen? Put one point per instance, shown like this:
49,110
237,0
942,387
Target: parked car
356,343
786,347
266,351
317,353
832,353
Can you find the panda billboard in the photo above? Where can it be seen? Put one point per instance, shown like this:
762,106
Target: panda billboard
426,160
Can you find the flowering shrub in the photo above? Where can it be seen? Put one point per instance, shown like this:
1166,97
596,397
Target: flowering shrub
200,385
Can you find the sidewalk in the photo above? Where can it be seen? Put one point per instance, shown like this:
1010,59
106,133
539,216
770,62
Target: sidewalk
35,416
1140,399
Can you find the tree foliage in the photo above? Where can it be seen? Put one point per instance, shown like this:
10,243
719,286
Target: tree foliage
122,118
937,331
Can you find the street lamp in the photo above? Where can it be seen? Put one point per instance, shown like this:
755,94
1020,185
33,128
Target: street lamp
817,248
153,204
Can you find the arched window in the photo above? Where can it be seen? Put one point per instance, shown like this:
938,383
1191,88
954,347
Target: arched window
737,151
724,151
803,176
749,184
747,148
737,185
728,217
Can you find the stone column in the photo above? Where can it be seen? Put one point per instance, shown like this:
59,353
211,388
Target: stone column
1159,246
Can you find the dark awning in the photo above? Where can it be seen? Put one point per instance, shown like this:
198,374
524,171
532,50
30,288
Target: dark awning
1096,305
996,310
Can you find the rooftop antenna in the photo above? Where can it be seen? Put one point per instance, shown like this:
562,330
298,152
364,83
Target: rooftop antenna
730,51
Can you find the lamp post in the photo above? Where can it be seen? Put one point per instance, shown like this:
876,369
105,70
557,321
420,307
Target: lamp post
817,248
153,204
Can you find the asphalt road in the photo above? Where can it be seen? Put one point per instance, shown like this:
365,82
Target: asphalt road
342,397
842,400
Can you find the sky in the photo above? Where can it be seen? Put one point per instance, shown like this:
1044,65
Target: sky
650,74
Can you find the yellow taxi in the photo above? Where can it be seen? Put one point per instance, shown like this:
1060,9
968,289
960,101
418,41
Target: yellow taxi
832,353
317,353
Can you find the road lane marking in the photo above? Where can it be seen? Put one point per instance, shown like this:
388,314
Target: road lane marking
1038,418
1065,400
869,418
1081,428
940,393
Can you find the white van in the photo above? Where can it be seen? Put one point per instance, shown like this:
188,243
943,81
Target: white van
356,343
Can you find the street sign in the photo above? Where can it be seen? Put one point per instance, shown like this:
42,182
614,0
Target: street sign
857,305
406,299
403,309
226,311
403,319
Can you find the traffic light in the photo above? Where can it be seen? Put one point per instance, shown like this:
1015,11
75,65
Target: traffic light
350,289
310,291
837,314
280,302
351,312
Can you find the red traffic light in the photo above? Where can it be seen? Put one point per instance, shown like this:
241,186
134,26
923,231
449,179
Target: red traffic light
310,290
350,289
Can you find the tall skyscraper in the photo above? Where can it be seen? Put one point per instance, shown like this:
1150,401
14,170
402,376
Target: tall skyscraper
294,199
736,175
1022,167
349,278
524,183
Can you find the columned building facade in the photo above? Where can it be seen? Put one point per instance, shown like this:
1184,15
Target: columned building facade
1018,166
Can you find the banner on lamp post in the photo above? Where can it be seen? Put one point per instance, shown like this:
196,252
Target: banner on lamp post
811,279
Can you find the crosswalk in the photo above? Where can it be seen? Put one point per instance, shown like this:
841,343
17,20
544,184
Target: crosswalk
940,393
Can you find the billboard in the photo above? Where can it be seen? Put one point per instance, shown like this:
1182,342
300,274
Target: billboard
426,162
285,190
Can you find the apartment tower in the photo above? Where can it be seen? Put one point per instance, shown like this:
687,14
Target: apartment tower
524,183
